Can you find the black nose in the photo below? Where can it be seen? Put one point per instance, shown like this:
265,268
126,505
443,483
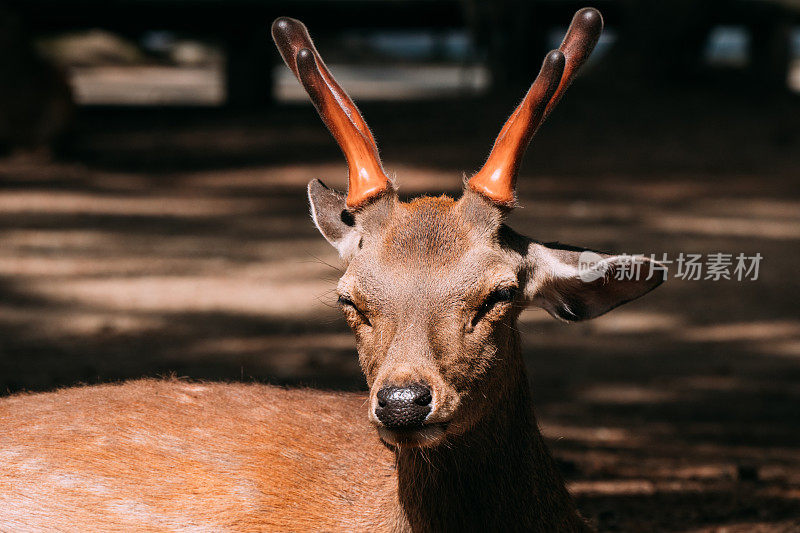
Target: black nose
403,407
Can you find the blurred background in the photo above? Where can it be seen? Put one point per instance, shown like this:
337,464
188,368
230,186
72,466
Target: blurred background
153,218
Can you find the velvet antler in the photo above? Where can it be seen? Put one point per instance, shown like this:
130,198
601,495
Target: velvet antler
366,176
498,177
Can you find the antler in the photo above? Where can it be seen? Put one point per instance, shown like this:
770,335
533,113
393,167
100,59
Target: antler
366,176
498,177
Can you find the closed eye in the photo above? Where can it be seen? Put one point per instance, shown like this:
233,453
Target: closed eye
497,297
346,303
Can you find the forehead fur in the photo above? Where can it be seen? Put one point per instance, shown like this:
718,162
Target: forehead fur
426,229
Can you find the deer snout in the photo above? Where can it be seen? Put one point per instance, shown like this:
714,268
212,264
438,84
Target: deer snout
403,407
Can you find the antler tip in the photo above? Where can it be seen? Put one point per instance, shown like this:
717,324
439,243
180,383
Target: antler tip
304,54
283,24
589,19
554,58
285,30
279,26
308,72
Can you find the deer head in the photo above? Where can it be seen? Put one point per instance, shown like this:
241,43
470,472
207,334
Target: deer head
433,287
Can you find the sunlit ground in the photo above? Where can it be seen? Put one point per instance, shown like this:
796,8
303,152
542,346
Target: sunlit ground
168,242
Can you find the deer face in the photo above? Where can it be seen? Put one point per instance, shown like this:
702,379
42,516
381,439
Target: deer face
430,295
432,291
433,287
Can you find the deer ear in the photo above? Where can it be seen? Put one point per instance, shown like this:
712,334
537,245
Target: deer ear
333,220
577,284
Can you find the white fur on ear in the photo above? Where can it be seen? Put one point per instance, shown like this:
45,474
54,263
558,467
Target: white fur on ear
574,284
347,245
333,220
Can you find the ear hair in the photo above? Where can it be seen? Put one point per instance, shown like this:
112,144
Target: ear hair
332,218
345,227
578,284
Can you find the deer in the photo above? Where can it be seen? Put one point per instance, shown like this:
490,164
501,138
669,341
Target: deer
445,439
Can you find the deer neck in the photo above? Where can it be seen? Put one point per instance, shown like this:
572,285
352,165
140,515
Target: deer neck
499,473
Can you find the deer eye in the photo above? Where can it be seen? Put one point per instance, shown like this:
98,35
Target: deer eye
506,294
496,297
346,302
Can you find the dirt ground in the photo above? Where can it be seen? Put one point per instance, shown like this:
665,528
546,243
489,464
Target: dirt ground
179,242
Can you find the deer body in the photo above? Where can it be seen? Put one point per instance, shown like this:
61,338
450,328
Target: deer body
432,290
177,456
174,456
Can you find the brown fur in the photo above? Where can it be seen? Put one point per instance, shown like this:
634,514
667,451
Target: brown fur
409,237
171,455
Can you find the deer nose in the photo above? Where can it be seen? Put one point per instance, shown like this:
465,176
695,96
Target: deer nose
403,407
